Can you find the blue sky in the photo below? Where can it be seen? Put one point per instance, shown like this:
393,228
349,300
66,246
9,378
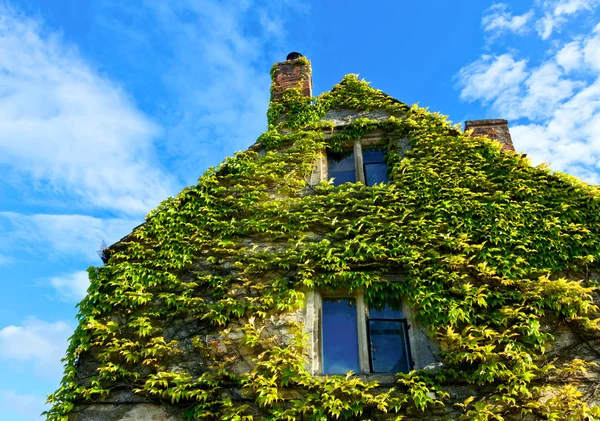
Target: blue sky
108,107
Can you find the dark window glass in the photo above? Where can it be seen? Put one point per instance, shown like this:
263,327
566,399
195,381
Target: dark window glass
385,313
373,156
341,169
339,335
389,346
375,167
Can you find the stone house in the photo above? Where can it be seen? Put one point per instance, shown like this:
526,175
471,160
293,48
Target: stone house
362,260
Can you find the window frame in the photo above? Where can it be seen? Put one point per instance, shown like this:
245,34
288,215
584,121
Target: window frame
359,166
362,326
406,327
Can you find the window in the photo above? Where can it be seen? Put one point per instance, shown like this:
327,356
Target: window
354,338
341,169
387,331
340,336
375,167
366,166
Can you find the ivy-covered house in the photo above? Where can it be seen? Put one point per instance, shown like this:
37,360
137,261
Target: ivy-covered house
364,259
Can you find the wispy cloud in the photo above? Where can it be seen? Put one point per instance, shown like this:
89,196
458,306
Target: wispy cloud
217,79
23,405
58,236
546,16
570,56
69,129
36,342
591,49
557,12
492,78
499,19
581,54
71,287
559,110
6,260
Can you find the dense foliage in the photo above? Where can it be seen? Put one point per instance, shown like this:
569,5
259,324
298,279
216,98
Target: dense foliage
494,253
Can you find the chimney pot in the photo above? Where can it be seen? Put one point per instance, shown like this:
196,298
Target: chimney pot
495,129
293,56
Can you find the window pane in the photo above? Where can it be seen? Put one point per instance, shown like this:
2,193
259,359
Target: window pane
389,350
385,313
339,163
375,173
341,169
373,157
339,336
341,177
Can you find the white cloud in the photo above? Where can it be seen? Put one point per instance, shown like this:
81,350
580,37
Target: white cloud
60,235
546,25
556,13
545,88
498,19
217,70
231,104
570,57
71,286
551,16
591,50
29,406
557,101
492,78
36,342
513,90
569,7
581,54
68,128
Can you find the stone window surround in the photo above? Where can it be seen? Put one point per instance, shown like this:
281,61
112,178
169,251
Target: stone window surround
359,168
424,351
320,171
313,329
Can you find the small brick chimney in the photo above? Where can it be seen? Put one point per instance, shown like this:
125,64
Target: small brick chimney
295,72
496,129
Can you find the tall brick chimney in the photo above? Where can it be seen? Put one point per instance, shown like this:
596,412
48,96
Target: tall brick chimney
494,129
295,72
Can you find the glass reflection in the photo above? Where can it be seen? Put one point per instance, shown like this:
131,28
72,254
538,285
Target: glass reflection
389,350
375,173
385,313
373,156
341,169
375,167
339,336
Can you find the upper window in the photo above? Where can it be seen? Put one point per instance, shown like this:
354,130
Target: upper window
375,167
366,166
341,168
362,340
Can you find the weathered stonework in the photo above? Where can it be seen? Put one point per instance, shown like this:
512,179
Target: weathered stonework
343,117
195,334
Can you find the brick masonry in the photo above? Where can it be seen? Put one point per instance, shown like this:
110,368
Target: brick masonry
292,74
495,129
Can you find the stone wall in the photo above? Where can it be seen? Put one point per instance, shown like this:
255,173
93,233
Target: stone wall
124,405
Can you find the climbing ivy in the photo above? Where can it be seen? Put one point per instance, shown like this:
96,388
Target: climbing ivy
493,252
